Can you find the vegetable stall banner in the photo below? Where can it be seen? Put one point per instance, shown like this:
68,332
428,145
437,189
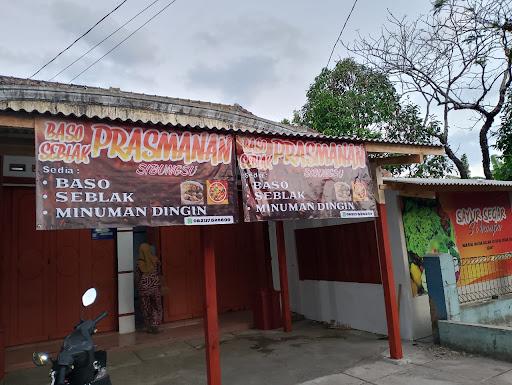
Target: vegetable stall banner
97,175
464,225
482,222
294,179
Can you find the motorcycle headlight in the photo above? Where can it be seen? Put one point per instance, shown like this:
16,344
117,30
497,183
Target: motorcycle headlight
40,358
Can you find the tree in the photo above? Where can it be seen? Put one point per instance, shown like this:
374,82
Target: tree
408,126
347,100
465,161
458,57
502,165
500,169
355,100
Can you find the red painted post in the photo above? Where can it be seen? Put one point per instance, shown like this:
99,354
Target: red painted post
388,284
2,335
2,355
283,278
211,318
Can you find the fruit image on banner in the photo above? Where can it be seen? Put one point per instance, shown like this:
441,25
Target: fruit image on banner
428,230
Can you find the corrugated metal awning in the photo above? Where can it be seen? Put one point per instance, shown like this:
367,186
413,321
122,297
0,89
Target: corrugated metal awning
26,95
431,184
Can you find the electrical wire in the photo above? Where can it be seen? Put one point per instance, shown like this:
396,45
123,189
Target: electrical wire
80,37
341,32
122,41
102,41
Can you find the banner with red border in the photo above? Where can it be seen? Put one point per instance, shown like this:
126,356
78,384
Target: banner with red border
93,175
295,179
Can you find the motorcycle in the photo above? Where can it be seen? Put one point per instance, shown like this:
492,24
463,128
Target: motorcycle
78,362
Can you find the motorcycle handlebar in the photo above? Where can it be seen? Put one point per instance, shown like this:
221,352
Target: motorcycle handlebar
100,317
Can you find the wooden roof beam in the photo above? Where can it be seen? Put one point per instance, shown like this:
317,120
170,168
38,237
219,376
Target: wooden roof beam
398,160
405,149
16,120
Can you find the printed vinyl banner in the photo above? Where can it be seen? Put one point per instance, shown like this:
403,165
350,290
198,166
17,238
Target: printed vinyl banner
482,222
293,179
427,230
97,175
464,225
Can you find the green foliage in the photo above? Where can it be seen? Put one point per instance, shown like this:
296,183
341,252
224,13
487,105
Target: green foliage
355,100
432,167
348,99
502,165
296,117
407,126
465,161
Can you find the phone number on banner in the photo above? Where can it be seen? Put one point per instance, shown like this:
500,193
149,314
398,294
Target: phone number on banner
209,220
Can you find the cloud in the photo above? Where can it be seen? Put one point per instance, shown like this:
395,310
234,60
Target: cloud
21,61
238,80
255,33
109,74
17,56
65,15
138,51
256,50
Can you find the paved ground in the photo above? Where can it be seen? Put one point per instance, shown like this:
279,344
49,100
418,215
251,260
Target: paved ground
310,355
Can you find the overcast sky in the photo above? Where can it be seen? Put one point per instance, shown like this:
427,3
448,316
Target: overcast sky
260,54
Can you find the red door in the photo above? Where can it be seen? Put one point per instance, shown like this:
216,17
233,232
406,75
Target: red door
182,267
242,261
44,274
25,270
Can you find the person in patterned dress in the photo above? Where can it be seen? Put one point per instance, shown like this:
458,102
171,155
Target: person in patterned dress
148,274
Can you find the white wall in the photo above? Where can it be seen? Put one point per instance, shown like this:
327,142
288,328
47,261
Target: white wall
358,305
125,282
